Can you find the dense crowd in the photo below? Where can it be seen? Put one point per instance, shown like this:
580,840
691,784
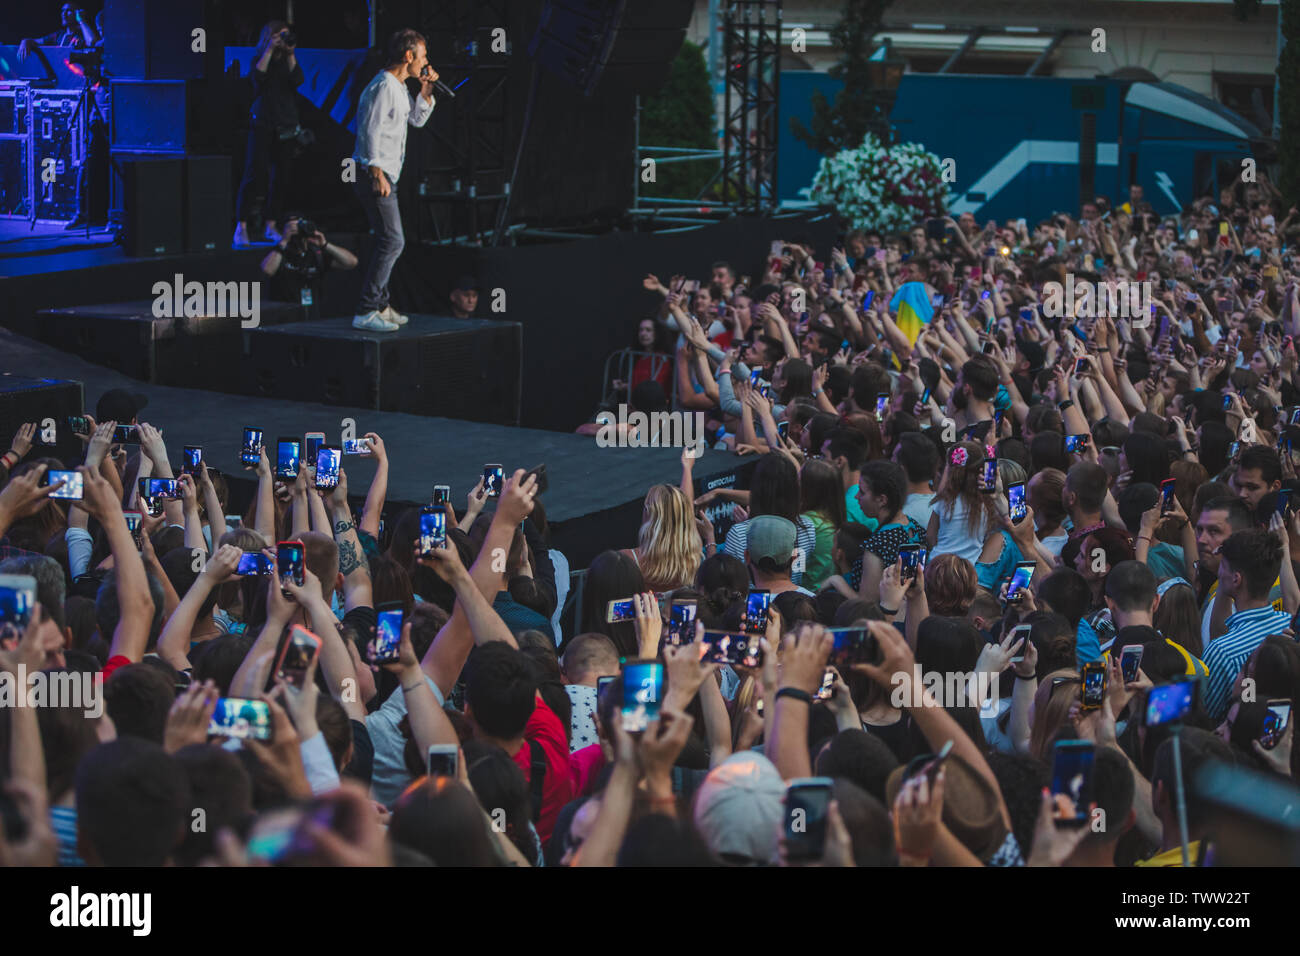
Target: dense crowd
987,547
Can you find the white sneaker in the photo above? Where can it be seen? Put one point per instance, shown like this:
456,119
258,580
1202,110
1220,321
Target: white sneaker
373,322
392,315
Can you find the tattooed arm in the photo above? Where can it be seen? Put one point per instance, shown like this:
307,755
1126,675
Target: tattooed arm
352,560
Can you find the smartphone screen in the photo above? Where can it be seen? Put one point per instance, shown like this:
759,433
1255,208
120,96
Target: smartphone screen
882,405
133,520
643,684
163,488
1075,443
1021,633
311,443
288,453
290,558
296,655
250,451
681,621
385,645
1093,691
620,610
79,424
1130,660
756,605
1283,501
925,397
1167,494
827,690
853,645
151,504
253,562
989,475
73,487
241,718
356,446
193,457
909,559
1020,579
782,430
328,458
494,477
433,530
738,650
126,435
1275,723
17,599
1016,501
1072,781
443,760
441,494
807,801
1167,703
1080,365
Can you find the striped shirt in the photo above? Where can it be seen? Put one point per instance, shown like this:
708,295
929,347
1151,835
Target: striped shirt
1228,652
805,540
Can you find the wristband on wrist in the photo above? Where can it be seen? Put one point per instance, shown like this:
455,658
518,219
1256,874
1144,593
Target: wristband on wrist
794,693
888,611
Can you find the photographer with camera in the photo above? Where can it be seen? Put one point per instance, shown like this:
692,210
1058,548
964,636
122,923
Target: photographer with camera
275,136
297,265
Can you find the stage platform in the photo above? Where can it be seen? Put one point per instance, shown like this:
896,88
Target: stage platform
595,496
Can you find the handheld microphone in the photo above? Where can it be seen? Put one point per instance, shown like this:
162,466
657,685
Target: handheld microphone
438,85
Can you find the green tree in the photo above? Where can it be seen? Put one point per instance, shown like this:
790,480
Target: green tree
681,114
857,109
1288,102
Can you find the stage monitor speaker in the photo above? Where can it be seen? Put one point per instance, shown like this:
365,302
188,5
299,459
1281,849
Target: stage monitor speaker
207,203
151,115
152,206
37,400
155,39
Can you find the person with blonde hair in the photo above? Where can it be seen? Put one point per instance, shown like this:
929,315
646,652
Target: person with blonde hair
669,549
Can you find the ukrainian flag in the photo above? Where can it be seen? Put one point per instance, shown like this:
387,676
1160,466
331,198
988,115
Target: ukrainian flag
912,309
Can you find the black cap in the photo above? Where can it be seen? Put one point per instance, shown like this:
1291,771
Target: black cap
119,405
466,284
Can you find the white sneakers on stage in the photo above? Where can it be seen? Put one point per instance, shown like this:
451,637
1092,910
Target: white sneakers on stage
373,321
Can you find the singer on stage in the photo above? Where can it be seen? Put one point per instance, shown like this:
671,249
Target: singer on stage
385,110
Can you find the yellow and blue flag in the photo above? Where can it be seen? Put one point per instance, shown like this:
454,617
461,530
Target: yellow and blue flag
912,309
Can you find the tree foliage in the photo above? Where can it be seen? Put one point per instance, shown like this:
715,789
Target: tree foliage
681,114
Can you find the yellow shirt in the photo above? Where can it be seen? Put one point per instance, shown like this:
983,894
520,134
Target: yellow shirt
1174,857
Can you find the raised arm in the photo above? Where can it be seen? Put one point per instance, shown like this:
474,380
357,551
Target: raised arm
378,493
352,560
131,636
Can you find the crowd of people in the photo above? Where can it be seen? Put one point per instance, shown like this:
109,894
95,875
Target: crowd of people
1155,454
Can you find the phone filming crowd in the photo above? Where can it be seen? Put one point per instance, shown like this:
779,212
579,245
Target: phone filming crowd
1012,583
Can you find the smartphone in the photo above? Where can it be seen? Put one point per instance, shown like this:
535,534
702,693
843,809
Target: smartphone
1167,495
290,558
241,718
17,600
328,459
1020,579
925,396
494,477
193,458
1167,703
79,424
1075,444
681,622
151,505
160,488
386,642
1072,781
1080,365
288,455
756,605
643,685
827,690
443,760
867,298
1130,659
298,649
601,684
250,452
989,476
882,405
311,443
1093,691
620,610
441,494
1020,632
987,348
807,803
1275,723
254,562
738,650
1284,502
126,435
133,520
1016,506
357,446
433,530
853,645
910,559
73,486
782,430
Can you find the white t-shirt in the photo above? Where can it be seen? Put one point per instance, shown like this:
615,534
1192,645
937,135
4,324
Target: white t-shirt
954,537
918,507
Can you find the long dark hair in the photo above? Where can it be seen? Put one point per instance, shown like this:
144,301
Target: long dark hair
821,490
612,576
774,489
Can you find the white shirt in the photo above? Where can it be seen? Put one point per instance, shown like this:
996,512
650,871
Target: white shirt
385,110
918,507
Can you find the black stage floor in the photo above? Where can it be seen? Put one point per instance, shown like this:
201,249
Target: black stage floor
595,495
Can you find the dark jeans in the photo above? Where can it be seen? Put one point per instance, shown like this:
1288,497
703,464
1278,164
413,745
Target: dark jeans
267,173
386,225
92,177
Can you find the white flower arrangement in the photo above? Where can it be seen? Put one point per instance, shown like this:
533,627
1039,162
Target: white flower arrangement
889,188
